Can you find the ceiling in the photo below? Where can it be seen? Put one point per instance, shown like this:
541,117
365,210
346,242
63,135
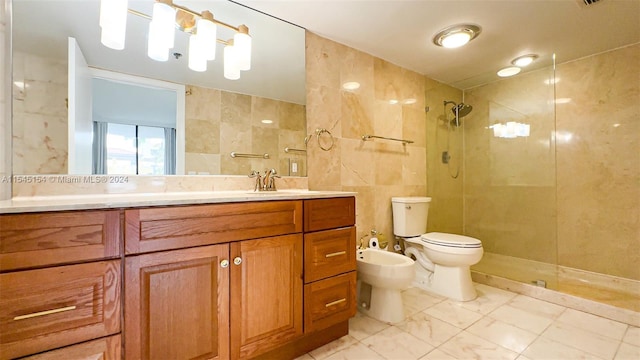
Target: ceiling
401,32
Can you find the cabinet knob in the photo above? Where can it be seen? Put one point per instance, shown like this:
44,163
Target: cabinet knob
237,260
224,263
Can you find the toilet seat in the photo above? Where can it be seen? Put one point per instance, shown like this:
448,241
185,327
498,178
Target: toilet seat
451,240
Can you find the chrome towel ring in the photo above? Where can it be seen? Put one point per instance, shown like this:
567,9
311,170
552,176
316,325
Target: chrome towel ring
319,132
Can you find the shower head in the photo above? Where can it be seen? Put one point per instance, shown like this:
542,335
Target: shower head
459,110
462,110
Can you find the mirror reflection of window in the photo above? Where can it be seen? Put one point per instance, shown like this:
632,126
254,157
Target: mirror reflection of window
134,150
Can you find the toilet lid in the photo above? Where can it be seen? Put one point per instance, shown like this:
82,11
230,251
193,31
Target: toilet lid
451,240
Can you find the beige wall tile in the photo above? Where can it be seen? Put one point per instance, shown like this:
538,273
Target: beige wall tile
202,136
376,169
598,168
202,103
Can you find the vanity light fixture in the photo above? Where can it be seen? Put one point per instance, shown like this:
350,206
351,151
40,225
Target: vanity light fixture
166,17
524,60
509,71
456,35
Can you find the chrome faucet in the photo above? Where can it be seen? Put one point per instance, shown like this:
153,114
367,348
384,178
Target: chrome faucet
269,183
266,182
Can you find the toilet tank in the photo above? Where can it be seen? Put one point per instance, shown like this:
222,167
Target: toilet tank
410,215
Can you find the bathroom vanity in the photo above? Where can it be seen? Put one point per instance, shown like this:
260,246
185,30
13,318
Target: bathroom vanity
233,277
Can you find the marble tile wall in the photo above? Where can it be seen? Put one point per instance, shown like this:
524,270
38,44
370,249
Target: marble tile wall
39,115
5,113
389,102
220,122
598,168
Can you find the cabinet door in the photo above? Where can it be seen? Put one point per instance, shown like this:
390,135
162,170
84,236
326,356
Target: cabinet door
266,293
177,304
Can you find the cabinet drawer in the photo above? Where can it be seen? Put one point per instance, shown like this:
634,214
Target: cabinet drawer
31,240
177,227
322,214
54,307
328,253
108,348
330,301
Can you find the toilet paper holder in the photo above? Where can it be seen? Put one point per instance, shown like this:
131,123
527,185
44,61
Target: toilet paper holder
382,243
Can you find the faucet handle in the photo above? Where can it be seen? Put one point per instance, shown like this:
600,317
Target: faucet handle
256,174
270,180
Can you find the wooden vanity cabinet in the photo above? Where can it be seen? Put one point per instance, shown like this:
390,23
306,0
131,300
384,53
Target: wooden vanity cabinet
235,299
45,305
330,262
270,280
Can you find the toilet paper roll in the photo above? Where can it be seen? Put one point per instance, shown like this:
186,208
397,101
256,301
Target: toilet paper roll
373,243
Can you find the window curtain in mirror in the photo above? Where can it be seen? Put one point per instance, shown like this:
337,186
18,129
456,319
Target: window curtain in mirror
169,151
100,147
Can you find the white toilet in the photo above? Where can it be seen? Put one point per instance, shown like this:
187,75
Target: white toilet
382,275
444,259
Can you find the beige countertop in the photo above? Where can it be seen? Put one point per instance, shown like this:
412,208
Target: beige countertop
106,201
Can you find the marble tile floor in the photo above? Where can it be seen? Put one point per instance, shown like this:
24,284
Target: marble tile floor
497,325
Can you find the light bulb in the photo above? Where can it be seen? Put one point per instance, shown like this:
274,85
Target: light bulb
164,16
206,32
231,69
242,46
456,40
113,21
197,58
156,48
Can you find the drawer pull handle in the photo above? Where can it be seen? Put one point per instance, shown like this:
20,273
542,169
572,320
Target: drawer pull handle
335,254
335,302
43,313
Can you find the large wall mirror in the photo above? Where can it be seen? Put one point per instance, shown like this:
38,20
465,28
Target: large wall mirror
70,92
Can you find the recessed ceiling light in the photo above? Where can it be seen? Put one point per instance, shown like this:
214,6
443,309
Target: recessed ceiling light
393,101
524,60
456,35
509,71
351,85
267,121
